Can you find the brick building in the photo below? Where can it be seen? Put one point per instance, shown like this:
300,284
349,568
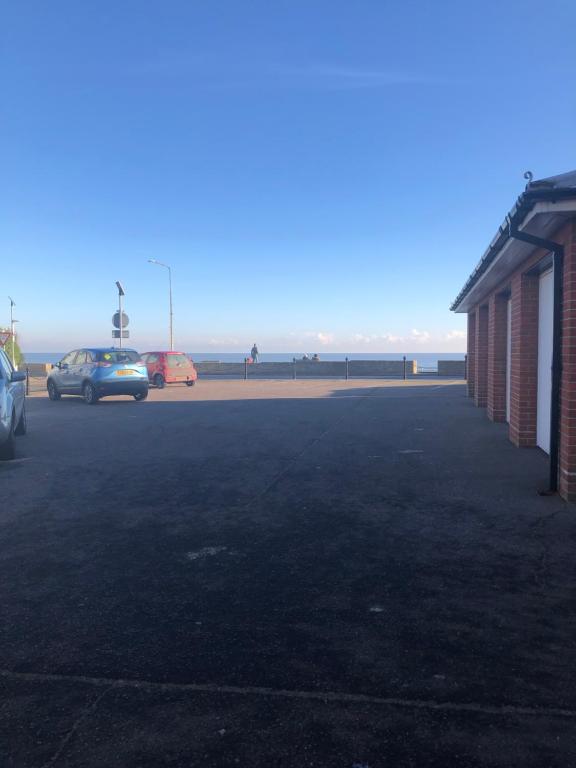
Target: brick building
521,307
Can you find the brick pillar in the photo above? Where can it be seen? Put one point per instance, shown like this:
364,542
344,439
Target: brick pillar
497,322
471,352
481,355
567,458
524,360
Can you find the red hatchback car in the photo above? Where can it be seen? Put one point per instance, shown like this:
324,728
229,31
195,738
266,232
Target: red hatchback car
169,368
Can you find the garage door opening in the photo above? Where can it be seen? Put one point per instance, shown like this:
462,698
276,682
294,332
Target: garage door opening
545,343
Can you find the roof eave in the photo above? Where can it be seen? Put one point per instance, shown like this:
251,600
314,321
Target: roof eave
517,214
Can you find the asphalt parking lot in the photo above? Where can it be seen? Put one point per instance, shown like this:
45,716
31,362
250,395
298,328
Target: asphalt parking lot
315,573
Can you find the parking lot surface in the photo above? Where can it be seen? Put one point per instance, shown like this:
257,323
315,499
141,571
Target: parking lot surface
351,574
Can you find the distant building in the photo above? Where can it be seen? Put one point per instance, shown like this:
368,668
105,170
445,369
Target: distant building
521,306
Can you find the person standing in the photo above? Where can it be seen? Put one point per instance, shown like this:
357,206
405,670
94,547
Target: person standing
254,353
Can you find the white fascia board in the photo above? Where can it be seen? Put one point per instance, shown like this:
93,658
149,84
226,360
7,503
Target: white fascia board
562,206
514,251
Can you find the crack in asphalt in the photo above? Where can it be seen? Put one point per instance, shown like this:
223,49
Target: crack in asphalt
504,710
293,459
87,712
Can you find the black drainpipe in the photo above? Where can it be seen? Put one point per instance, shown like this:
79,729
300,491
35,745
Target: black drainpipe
557,250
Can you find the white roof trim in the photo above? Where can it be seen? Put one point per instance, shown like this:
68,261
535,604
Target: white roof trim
562,206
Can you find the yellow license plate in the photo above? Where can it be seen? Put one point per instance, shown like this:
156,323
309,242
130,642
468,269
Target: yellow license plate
124,373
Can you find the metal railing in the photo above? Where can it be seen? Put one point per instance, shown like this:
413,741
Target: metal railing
299,368
34,383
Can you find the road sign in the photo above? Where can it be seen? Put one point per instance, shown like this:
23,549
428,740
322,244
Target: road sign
4,336
116,320
116,334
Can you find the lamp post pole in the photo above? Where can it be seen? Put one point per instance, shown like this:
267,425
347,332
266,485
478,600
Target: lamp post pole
12,321
171,314
161,264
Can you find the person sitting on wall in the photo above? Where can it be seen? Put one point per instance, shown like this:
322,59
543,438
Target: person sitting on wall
254,353
316,357
305,357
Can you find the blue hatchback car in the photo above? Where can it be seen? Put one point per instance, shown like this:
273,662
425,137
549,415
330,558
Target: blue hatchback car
94,373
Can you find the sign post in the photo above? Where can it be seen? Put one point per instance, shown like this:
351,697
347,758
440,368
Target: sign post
119,317
120,322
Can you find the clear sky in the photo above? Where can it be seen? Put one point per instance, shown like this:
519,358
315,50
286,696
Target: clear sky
320,174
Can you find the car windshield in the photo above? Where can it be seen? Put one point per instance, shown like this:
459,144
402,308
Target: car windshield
175,361
119,356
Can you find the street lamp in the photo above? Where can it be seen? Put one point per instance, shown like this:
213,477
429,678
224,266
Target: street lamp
161,264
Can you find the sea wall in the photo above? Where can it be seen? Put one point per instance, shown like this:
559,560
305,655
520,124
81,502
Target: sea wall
452,369
309,369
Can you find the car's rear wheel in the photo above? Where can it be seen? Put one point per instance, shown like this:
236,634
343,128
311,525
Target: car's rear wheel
159,381
8,448
53,393
22,426
141,396
89,394
190,383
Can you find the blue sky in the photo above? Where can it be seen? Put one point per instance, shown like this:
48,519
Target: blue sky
320,174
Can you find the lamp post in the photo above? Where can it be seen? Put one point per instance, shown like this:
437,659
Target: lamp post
161,264
12,321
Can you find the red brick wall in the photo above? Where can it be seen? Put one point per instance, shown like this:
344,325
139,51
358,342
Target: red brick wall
471,372
497,327
487,356
567,458
481,358
524,359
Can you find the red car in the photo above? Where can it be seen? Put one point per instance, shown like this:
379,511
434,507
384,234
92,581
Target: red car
169,368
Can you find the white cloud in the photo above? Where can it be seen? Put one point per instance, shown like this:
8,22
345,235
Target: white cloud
420,337
377,338
224,341
455,335
325,338
415,340
320,336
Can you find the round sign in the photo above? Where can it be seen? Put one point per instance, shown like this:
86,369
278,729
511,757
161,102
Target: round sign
116,320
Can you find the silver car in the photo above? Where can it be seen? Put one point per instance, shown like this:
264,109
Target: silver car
12,406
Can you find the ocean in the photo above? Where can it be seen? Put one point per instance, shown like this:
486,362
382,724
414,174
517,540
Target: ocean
424,359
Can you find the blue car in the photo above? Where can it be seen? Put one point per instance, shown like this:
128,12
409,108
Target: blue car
12,406
94,373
